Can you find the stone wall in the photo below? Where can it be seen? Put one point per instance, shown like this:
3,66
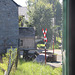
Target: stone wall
9,30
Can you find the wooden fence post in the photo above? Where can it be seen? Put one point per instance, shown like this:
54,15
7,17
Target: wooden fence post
16,62
9,64
13,56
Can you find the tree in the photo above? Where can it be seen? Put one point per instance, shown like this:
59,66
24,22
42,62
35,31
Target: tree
58,16
41,12
40,17
57,9
21,21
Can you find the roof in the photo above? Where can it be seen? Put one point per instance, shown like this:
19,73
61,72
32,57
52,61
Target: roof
16,3
21,3
26,32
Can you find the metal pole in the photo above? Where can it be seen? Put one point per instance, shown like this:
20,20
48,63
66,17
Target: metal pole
45,52
53,34
45,40
53,43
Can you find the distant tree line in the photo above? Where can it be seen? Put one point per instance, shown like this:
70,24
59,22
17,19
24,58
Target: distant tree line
41,13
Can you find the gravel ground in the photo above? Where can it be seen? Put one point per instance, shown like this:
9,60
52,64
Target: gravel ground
59,57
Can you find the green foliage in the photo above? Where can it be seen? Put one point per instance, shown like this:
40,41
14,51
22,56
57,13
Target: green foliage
57,71
58,16
12,52
30,68
41,14
5,58
58,42
1,73
40,45
58,39
22,22
4,65
34,68
56,46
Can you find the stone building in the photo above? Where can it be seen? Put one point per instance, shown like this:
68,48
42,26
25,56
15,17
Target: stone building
9,30
27,38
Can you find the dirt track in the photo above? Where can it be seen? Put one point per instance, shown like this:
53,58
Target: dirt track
59,58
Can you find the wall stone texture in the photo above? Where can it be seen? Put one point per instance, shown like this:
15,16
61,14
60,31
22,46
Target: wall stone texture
9,30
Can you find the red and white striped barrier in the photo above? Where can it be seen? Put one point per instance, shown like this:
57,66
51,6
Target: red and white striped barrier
44,33
45,40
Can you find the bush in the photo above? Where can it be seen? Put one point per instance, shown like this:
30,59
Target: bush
56,46
58,39
1,73
40,45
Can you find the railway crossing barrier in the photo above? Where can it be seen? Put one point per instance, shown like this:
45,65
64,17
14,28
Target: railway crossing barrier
45,40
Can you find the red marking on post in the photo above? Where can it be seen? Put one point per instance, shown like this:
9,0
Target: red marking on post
46,29
44,36
44,33
46,40
42,29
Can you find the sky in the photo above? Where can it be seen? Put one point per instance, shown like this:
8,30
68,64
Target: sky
21,2
60,1
24,2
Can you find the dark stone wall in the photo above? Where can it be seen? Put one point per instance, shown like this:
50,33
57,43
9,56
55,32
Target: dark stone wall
9,30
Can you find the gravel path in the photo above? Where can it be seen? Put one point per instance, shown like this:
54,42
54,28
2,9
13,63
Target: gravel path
53,64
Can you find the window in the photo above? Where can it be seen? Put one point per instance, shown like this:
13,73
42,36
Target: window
21,42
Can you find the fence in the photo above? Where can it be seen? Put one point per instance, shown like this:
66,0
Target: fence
13,58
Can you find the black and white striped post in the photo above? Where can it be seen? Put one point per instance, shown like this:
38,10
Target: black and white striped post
45,40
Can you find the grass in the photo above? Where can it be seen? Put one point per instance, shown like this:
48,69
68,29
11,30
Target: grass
3,66
33,68
1,73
